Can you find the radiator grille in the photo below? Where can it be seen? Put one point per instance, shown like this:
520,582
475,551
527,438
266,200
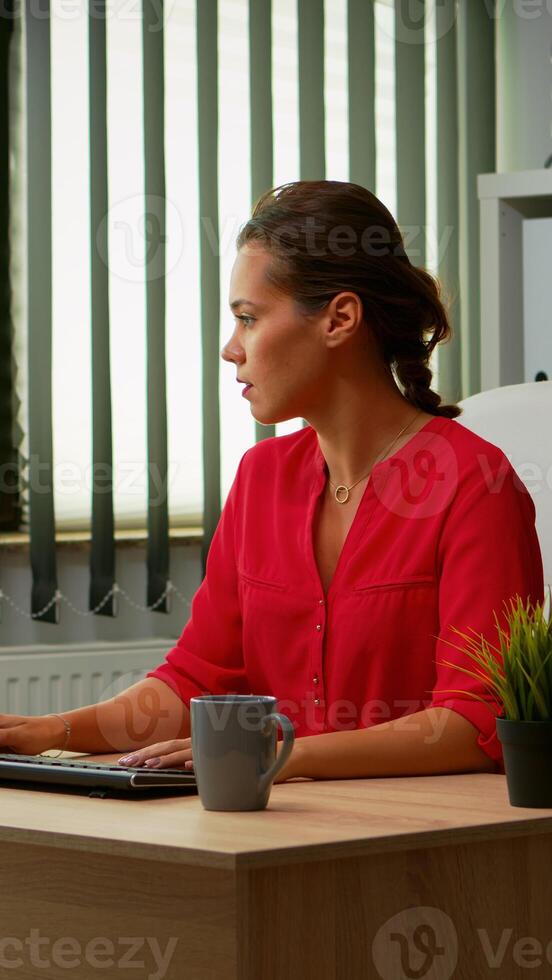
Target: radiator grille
37,679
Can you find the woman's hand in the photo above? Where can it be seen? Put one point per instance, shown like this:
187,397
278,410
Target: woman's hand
30,735
175,754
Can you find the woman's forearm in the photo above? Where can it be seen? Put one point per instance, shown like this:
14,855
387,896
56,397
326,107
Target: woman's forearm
148,711
437,740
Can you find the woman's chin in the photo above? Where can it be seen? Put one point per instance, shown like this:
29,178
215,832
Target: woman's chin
263,419
273,419
271,416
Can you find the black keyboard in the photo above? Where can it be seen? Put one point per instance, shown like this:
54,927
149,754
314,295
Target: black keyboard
96,778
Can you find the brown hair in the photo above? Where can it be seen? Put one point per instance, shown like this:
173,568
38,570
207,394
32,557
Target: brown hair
327,236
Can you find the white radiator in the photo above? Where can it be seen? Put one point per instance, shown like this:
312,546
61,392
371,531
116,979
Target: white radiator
37,679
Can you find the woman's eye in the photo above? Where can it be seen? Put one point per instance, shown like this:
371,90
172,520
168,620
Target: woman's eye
243,317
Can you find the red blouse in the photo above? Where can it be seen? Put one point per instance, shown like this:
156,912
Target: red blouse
444,532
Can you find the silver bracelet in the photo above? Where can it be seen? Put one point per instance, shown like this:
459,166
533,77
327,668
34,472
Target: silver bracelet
53,714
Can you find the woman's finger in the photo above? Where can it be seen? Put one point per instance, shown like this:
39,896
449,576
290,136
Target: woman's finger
158,749
173,760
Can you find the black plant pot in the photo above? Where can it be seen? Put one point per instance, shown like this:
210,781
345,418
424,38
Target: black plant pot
527,751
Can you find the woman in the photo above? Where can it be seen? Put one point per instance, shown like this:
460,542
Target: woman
346,550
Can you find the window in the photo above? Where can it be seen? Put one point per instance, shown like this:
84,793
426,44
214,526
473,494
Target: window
128,235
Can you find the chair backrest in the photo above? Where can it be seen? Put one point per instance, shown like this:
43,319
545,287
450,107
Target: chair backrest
518,419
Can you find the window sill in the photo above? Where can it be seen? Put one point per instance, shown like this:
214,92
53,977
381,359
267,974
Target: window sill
137,537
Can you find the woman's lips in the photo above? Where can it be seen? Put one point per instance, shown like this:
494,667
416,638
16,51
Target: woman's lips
245,390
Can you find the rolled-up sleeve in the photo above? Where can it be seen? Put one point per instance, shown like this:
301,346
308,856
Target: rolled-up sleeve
208,658
488,553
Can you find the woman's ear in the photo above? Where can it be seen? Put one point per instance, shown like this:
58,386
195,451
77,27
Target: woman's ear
344,317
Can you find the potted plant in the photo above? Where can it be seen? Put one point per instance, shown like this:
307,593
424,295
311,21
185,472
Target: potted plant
518,674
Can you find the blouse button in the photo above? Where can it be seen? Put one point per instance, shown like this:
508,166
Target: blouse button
320,602
315,679
318,626
317,700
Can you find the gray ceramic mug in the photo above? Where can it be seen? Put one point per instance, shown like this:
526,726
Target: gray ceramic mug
234,749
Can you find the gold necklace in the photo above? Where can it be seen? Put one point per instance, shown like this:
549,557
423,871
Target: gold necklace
343,489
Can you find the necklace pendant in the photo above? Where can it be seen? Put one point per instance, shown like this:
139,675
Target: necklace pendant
341,490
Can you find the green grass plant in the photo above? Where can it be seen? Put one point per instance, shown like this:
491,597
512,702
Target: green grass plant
517,672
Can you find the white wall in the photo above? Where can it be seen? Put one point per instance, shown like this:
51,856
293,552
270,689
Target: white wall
524,142
537,296
523,84
73,579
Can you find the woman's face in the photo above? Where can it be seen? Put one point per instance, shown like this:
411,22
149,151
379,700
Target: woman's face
274,348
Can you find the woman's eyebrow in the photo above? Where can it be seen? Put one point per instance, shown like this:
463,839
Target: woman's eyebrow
242,302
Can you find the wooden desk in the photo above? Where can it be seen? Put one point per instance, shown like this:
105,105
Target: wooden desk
334,881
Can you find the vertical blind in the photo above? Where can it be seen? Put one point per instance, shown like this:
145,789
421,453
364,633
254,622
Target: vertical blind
260,114
10,510
139,175
102,547
39,303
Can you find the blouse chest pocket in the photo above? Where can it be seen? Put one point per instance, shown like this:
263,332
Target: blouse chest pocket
260,582
408,582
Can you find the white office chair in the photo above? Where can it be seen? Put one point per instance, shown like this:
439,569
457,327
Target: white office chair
518,419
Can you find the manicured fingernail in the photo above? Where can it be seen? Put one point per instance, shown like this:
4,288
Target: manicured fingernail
151,763
127,760
188,764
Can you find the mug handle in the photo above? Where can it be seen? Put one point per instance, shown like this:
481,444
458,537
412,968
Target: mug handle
289,738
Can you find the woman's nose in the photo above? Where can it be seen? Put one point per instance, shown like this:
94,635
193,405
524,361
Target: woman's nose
232,351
